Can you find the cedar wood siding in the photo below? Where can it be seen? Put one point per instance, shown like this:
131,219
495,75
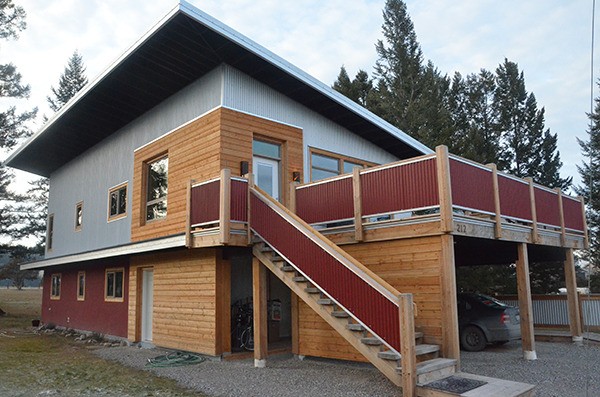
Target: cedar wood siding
409,265
199,150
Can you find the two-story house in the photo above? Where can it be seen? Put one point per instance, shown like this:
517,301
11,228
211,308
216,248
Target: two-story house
200,170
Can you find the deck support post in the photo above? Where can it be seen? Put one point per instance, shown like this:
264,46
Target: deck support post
407,345
225,206
357,195
259,308
572,297
525,305
250,178
450,338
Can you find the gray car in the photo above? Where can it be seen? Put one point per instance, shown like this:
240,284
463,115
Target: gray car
483,320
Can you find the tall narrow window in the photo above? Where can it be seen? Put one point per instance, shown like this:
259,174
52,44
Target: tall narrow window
55,286
78,216
114,285
117,202
156,188
50,232
81,286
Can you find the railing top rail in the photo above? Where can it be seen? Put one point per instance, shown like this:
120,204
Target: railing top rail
341,256
233,178
470,162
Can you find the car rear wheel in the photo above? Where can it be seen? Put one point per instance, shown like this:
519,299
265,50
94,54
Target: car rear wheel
473,339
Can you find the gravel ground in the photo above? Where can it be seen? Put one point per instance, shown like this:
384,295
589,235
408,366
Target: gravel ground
562,369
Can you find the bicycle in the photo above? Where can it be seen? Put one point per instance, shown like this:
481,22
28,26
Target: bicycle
243,330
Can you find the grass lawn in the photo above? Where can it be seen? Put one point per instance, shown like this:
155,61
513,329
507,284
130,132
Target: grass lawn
35,364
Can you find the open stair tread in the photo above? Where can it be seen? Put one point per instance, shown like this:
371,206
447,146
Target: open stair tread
419,350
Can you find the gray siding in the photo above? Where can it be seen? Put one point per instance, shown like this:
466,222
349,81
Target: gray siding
89,177
243,93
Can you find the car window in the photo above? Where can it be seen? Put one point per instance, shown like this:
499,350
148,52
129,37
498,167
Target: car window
489,301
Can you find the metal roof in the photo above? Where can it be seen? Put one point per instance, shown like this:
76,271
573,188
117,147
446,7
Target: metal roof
185,45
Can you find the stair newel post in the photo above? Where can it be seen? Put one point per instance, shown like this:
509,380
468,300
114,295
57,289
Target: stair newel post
249,212
357,195
444,188
225,206
292,203
407,345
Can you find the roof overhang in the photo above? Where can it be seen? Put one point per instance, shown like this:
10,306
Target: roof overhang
170,242
185,45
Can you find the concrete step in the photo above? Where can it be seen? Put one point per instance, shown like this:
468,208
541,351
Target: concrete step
419,351
371,341
288,268
312,290
356,327
430,370
493,388
340,314
325,302
299,279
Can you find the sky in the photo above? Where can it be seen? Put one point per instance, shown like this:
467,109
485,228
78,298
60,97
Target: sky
549,39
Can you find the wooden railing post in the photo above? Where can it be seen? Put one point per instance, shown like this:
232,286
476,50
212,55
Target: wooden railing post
294,298
497,209
561,213
188,206
249,212
407,345
357,195
535,236
225,206
444,188
586,241
292,203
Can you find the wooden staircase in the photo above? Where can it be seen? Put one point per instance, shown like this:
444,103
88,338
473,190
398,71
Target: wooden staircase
429,365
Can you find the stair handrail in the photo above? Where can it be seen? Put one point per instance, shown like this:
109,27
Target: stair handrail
367,275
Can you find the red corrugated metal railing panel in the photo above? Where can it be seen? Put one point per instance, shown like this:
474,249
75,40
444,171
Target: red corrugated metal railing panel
547,207
326,201
205,203
398,188
356,295
514,198
239,200
472,186
572,213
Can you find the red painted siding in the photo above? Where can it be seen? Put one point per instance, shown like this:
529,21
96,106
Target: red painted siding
93,313
402,187
327,201
366,303
514,198
205,203
239,201
472,187
547,207
572,213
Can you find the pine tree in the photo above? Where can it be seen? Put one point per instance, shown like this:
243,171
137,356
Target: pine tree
590,184
71,81
13,125
359,89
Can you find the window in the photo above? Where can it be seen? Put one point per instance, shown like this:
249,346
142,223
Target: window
78,216
114,285
156,188
117,202
325,165
50,232
55,287
81,286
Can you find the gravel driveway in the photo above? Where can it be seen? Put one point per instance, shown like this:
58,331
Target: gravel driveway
563,369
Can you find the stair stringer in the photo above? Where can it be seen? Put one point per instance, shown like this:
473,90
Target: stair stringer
339,325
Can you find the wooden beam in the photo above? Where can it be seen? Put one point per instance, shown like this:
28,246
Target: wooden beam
357,195
586,240
259,302
188,206
294,298
407,345
572,297
249,212
561,212
525,305
497,208
535,237
450,338
444,188
225,206
222,303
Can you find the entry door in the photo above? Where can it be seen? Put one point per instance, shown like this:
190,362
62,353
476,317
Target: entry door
266,175
147,304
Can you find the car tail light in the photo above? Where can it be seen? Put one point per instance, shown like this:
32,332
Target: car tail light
504,318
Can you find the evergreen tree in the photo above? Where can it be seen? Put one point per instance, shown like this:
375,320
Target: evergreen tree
359,89
590,185
71,81
13,125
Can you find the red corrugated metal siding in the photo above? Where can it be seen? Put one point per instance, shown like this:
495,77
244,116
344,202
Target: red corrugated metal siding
472,187
514,198
402,187
547,207
367,304
239,201
205,203
572,213
326,201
